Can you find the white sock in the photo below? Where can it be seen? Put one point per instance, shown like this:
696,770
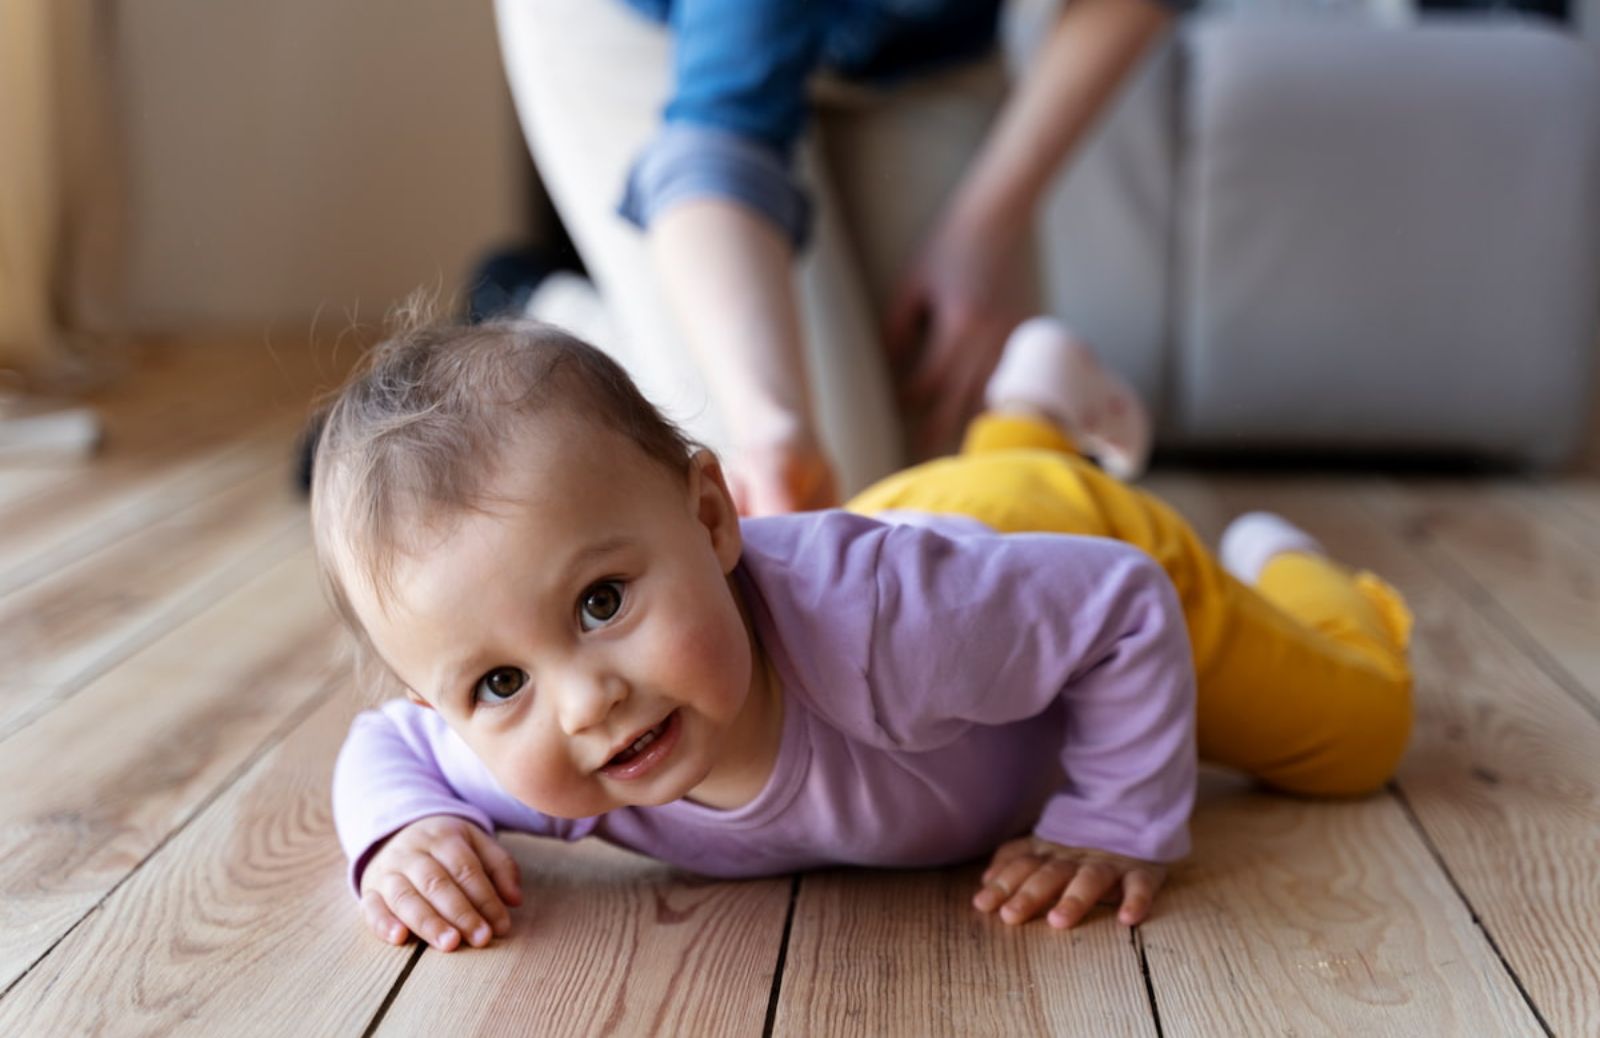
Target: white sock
1251,541
1047,369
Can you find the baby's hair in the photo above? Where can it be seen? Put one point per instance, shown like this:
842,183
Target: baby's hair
414,437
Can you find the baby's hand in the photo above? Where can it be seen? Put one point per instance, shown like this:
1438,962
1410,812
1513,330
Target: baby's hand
439,878
1029,875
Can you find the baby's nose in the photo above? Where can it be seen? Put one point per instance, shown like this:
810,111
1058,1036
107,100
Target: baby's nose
587,699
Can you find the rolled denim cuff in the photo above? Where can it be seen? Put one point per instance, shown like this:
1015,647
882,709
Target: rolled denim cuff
686,161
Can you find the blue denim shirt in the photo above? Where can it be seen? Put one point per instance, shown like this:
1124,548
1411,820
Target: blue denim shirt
739,98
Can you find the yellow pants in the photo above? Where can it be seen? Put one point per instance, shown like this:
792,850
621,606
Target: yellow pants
1303,680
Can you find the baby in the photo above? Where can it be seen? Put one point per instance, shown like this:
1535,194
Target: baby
1004,649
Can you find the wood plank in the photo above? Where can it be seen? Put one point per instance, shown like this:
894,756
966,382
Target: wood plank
606,942
177,392
1581,497
120,496
189,420
1576,498
20,482
241,925
1503,773
1526,570
88,790
904,953
1298,917
61,631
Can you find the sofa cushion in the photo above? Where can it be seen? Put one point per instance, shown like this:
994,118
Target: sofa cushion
1388,238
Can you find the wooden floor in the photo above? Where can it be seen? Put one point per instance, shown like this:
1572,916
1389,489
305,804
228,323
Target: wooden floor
173,700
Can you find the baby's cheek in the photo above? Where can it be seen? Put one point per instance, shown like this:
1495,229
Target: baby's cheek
567,796
710,660
538,776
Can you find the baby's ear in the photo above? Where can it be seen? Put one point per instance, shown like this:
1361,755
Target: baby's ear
713,506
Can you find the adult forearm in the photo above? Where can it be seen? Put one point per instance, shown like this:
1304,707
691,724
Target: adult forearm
1090,50
729,275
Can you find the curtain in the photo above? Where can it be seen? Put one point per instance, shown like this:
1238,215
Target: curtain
60,186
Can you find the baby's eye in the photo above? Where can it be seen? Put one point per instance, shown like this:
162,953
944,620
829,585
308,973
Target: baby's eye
599,604
499,685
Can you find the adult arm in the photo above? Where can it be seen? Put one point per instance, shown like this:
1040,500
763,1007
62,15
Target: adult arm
719,200
966,289
728,273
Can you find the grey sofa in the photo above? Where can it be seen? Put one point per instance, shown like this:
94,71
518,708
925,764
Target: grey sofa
1297,234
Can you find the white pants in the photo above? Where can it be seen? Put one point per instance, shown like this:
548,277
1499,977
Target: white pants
590,78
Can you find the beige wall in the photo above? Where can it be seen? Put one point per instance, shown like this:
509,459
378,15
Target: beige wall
301,155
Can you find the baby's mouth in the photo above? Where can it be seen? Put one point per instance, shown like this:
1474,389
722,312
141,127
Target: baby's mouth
640,744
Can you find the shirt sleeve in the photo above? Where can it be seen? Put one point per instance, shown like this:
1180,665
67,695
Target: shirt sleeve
686,161
998,629
738,105
398,765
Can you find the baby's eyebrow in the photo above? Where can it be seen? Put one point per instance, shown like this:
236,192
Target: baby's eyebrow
446,688
455,680
590,552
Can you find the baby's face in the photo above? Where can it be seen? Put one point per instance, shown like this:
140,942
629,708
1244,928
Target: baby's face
582,637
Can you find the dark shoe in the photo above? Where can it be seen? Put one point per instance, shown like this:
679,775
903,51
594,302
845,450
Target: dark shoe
505,281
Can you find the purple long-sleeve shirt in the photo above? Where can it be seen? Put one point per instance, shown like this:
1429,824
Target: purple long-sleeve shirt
945,688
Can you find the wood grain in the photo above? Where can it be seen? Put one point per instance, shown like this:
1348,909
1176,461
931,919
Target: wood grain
191,419
1574,504
241,925
20,482
48,531
1580,497
607,943
1295,917
904,953
88,790
1503,773
72,625
1525,568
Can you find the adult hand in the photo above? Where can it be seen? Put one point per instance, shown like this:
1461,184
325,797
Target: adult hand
793,476
443,879
967,288
1030,875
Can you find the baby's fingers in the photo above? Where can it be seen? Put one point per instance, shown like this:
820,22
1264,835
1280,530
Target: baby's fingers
483,910
414,910
1006,853
1138,894
443,892
503,869
1038,891
382,921
1087,887
1002,881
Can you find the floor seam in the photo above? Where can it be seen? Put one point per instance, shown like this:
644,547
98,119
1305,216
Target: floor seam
783,957
273,739
1477,921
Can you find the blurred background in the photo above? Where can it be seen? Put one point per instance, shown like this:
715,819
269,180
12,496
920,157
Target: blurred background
184,164
189,166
